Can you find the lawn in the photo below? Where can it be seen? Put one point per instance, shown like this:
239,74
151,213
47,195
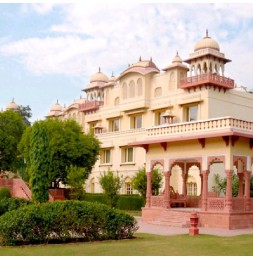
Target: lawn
145,244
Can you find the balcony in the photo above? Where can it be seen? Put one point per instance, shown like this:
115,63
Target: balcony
90,106
198,130
202,126
205,80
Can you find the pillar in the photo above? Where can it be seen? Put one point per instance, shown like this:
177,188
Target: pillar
149,190
240,188
204,189
184,178
167,189
247,190
228,204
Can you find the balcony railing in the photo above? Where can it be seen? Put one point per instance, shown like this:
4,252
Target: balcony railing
207,79
201,126
90,105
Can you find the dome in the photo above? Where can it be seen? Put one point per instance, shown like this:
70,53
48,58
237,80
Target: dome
207,42
177,59
56,107
12,106
112,78
99,76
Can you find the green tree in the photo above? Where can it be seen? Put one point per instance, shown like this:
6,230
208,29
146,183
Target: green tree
75,179
11,130
67,146
221,184
111,185
25,112
139,181
39,159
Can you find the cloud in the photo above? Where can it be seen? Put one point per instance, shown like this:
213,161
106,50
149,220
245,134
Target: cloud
112,36
42,9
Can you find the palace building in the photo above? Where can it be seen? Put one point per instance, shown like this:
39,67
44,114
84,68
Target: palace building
188,120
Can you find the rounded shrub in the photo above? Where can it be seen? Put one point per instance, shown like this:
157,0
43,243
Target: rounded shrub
63,221
5,193
10,204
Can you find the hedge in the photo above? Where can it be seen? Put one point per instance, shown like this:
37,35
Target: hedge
5,193
125,202
64,221
10,204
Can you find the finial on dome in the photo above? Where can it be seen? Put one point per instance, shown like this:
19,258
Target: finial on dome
140,58
207,33
12,100
112,74
151,59
57,102
99,69
177,54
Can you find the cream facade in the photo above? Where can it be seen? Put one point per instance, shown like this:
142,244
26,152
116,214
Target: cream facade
184,119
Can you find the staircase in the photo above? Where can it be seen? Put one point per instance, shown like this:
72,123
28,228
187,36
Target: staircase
173,218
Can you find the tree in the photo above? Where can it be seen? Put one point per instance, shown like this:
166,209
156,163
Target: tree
139,181
11,130
221,184
25,112
75,179
39,159
111,185
67,146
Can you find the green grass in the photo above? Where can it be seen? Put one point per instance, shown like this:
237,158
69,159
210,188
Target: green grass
145,244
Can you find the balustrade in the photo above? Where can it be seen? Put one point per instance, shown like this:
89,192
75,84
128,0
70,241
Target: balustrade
200,126
215,204
157,201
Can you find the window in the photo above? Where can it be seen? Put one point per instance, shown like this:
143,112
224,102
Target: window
192,113
92,185
124,91
192,188
127,155
158,92
159,119
128,188
131,89
114,125
105,156
136,121
91,126
139,87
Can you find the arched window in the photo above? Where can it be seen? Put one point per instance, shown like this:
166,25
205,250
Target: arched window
158,92
139,87
172,80
92,185
116,101
124,91
131,89
128,186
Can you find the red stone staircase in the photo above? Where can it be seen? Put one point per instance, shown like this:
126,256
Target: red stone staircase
20,189
173,218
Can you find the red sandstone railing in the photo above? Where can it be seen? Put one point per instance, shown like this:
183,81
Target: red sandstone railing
90,105
205,79
157,201
201,126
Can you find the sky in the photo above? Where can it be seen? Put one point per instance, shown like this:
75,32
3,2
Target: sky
49,51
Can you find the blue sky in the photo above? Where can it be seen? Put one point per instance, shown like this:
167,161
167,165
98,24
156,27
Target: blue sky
49,51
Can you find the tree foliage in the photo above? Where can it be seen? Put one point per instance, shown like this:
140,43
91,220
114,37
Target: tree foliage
39,159
26,113
67,146
75,178
11,130
221,184
139,181
111,185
